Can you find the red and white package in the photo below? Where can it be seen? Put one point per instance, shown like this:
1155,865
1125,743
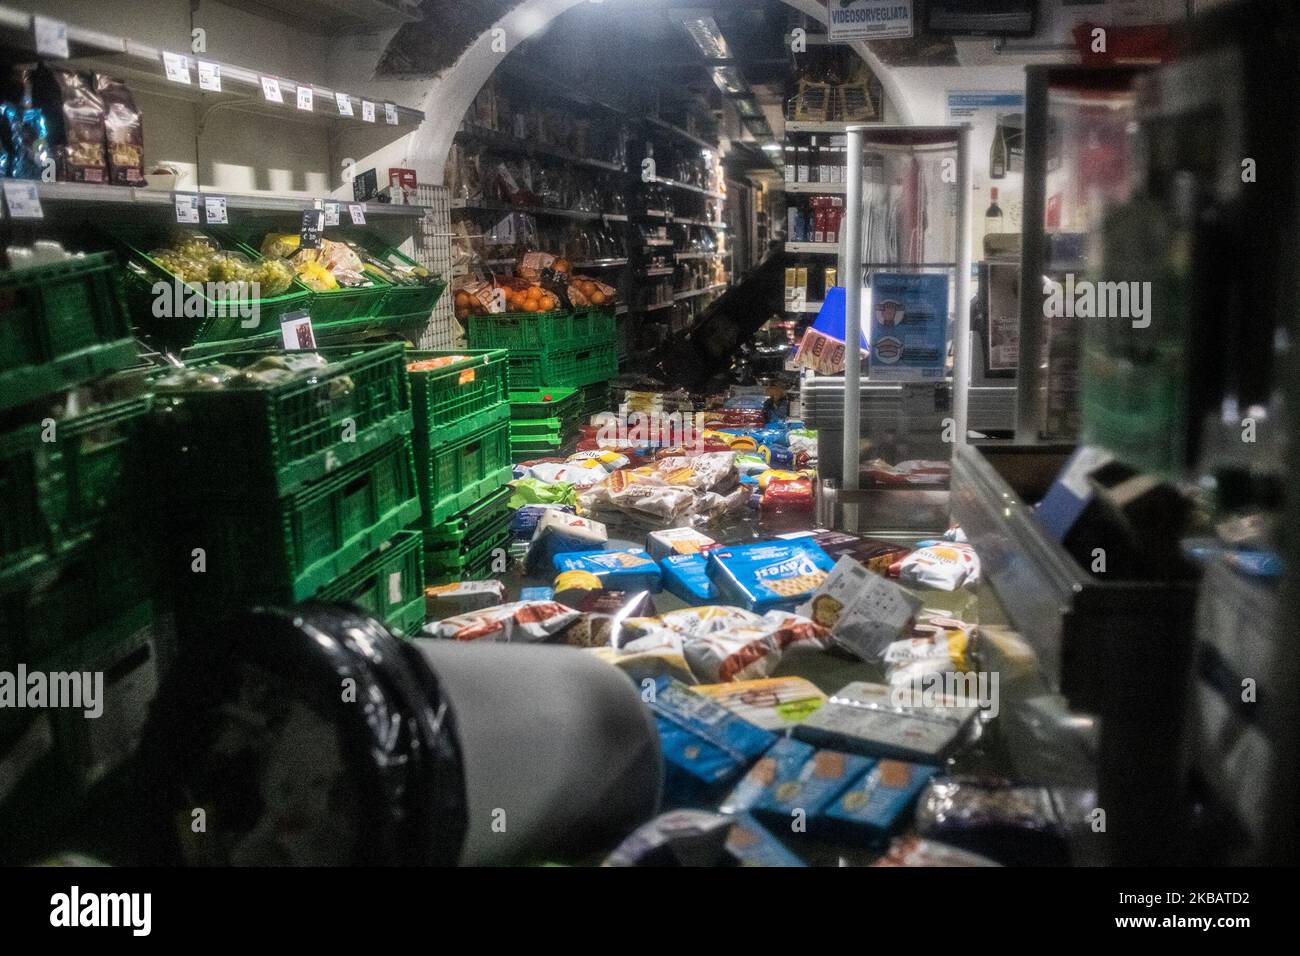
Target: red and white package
522,621
945,565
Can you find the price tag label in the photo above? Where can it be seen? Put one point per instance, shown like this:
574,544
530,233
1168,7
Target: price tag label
313,221
368,111
357,211
296,331
23,199
390,114
210,77
51,37
331,214
177,67
306,97
344,103
214,210
271,90
187,208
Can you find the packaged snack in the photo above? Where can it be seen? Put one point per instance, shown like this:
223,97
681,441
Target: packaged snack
913,851
878,804
751,845
524,521
447,600
863,611
864,718
537,594
1015,825
748,652
74,113
705,746
777,474
572,474
558,532
773,703
782,761
750,464
691,622
531,491
577,581
687,576
609,460
661,544
937,644
776,456
875,555
528,621
603,612
123,132
631,570
649,664
811,787
769,574
945,565
678,838
924,474
796,495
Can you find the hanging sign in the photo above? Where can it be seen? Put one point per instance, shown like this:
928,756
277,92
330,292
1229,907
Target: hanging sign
868,20
909,326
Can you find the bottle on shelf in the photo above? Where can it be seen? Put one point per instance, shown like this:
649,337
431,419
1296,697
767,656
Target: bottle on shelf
993,223
814,160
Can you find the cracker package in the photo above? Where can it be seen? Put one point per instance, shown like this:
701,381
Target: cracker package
660,544
448,600
687,576
945,565
603,612
873,554
811,787
863,611
769,574
752,845
865,718
557,533
781,762
878,804
631,570
773,703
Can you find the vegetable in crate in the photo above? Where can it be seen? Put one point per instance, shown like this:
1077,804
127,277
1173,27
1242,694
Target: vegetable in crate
197,259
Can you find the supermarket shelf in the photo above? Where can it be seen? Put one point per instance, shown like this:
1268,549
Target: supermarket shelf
656,306
678,131
674,184
688,256
650,273
503,141
656,243
817,188
819,248
531,210
600,264
692,293
332,16
94,194
823,126
142,68
809,308
678,221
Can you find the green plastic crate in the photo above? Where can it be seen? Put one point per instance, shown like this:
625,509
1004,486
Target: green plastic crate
223,442
277,549
596,398
31,487
389,584
403,306
564,404
218,322
447,566
558,330
568,368
456,474
461,398
63,324
470,525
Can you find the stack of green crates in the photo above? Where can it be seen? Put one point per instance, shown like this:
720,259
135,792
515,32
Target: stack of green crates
462,447
76,578
295,490
555,357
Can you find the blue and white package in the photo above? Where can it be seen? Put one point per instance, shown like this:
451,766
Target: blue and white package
781,762
705,746
777,456
811,787
752,845
769,574
687,576
537,594
558,532
877,805
524,521
630,570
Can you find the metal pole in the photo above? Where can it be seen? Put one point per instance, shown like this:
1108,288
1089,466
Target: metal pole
852,236
1033,230
961,327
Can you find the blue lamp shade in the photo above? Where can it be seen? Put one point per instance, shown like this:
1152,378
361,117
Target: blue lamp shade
830,320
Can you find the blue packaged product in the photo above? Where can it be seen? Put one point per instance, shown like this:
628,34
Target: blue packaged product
537,594
769,574
705,746
878,804
630,570
560,533
751,845
781,762
777,456
687,576
524,521
812,786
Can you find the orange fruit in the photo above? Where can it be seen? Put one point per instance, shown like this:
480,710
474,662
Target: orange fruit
462,299
597,298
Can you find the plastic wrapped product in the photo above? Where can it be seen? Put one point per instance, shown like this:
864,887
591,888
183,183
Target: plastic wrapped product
751,845
569,473
557,533
649,664
689,623
603,612
776,456
751,464
937,644
631,570
875,555
810,788
527,491
769,574
785,496
1014,825
863,718
863,611
751,652
782,761
669,541
123,134
446,600
609,460
773,703
524,521
537,594
705,746
687,576
677,838
913,851
878,804
522,621
945,565
75,114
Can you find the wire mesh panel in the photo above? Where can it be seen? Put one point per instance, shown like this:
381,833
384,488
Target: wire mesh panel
433,251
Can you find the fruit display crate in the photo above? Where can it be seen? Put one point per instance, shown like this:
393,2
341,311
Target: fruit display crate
454,475
562,404
64,323
558,330
570,367
460,398
60,480
265,547
403,306
388,584
223,441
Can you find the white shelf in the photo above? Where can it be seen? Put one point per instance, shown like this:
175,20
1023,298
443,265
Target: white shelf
688,256
825,126
808,308
674,184
531,210
678,221
692,293
826,189
506,143
815,248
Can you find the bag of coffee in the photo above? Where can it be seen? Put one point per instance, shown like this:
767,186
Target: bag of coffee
123,132
75,116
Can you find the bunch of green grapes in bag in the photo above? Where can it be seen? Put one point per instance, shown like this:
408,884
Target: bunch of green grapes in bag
186,268
273,277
